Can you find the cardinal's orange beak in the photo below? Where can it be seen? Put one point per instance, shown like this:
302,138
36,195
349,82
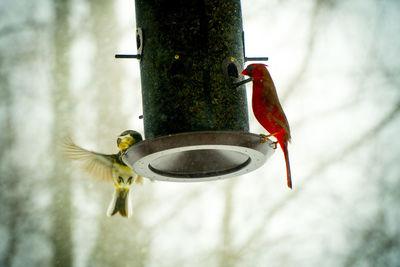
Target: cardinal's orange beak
245,72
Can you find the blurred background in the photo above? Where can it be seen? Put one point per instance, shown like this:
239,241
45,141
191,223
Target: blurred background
336,68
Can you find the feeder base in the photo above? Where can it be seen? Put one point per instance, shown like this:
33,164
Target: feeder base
198,156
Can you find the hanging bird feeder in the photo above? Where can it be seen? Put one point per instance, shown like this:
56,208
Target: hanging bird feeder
195,120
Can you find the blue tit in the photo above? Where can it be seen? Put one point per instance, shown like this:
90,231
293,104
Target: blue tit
110,168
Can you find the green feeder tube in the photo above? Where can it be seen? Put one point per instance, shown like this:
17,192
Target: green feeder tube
195,120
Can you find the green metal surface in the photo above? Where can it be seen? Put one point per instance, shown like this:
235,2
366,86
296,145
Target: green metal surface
191,55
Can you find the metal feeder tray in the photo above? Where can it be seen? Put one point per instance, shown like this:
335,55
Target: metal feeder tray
198,156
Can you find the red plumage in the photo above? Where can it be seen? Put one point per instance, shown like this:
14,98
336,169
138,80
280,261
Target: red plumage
268,110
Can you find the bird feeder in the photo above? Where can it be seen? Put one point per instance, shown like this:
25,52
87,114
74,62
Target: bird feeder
195,120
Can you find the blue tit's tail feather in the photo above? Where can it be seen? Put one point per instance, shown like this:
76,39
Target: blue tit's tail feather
120,203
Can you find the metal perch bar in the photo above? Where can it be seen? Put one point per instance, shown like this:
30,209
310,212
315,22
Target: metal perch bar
127,56
243,82
256,59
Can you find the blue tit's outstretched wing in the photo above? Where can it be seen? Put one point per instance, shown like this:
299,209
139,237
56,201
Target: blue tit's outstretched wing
98,165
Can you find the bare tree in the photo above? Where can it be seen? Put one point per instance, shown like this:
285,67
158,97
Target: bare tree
9,203
62,106
227,253
16,187
120,241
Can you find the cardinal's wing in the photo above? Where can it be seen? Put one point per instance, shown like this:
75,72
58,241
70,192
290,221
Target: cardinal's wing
98,165
271,100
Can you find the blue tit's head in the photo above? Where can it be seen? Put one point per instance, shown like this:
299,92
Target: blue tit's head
127,139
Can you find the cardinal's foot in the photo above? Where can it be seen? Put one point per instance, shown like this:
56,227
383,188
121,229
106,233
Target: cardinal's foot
274,145
264,137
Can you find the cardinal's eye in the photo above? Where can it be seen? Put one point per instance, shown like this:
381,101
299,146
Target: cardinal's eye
129,180
250,70
120,180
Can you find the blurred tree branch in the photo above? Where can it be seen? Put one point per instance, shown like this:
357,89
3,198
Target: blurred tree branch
12,200
61,207
26,25
314,26
177,208
315,173
226,254
376,244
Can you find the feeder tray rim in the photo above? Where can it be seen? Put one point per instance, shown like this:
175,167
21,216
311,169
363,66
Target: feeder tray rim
226,153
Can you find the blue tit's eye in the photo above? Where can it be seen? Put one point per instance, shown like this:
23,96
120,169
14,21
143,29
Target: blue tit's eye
120,179
129,180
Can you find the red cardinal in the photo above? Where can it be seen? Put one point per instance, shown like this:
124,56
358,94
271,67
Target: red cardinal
268,111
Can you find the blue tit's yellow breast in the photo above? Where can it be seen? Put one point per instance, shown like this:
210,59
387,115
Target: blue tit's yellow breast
122,167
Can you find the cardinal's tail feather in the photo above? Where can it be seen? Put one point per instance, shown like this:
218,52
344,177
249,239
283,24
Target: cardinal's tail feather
120,203
286,154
